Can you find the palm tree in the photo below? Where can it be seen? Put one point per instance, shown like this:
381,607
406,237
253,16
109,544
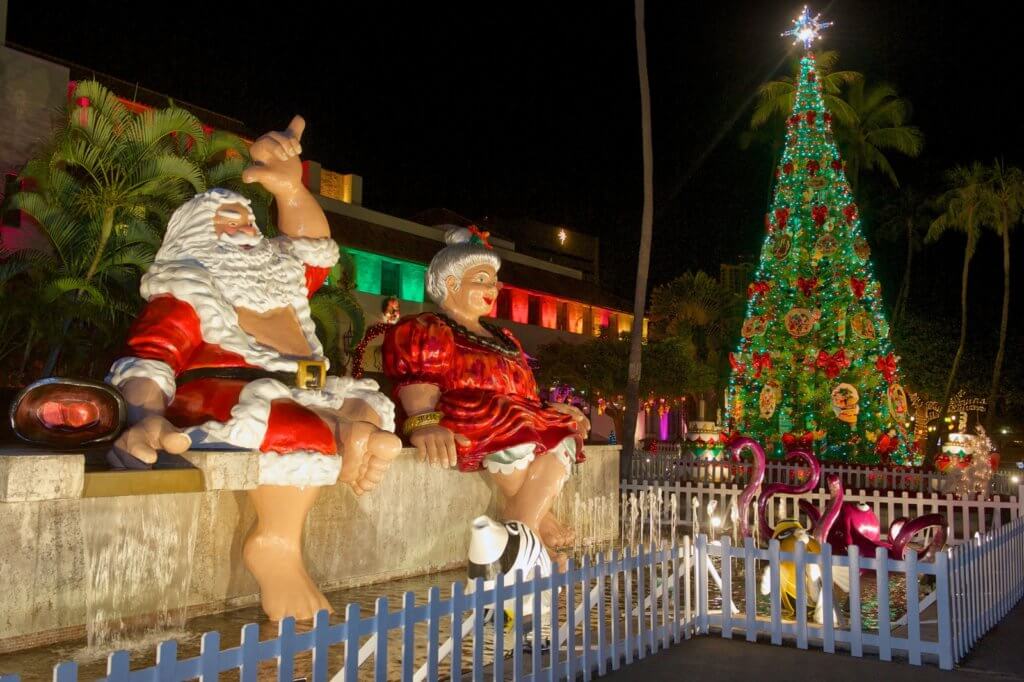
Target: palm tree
868,121
905,219
963,205
776,98
1005,195
331,305
879,125
644,256
102,192
695,309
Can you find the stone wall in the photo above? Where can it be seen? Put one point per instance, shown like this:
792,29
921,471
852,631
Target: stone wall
67,555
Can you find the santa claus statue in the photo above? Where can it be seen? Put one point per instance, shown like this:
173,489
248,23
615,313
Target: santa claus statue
225,355
469,396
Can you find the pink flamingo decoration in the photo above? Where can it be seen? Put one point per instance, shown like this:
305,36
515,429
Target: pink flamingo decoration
736,446
771,489
847,523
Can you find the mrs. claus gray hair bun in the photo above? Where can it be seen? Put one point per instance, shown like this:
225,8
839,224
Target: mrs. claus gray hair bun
453,260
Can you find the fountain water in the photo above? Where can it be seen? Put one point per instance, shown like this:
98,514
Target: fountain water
139,567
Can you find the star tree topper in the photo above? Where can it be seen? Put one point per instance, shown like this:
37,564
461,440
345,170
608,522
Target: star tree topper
807,28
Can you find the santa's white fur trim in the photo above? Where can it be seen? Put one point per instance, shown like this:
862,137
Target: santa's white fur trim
320,253
191,283
157,371
247,427
302,469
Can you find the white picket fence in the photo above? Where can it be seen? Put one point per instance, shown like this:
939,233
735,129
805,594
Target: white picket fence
987,581
619,609
671,464
965,517
905,636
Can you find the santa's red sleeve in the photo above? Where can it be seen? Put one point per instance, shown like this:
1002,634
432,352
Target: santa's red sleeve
160,343
418,350
318,255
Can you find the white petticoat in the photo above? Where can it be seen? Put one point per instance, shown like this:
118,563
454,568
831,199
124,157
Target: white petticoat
518,457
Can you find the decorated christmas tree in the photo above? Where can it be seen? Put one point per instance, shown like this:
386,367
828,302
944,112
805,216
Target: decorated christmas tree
814,367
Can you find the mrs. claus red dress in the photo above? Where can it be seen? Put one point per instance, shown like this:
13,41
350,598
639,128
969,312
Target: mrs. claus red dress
488,391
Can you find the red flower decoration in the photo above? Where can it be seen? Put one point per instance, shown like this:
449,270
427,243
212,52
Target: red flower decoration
837,165
887,366
762,361
813,167
787,168
819,213
858,285
850,212
83,102
737,366
832,364
807,285
811,116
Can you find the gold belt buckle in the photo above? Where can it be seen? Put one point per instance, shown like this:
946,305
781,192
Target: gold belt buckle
311,374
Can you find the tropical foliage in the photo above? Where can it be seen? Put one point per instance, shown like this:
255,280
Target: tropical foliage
869,120
101,193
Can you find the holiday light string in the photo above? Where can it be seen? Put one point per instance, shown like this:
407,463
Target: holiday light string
815,275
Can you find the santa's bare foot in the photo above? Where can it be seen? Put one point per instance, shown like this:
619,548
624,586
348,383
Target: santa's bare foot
366,454
285,587
554,533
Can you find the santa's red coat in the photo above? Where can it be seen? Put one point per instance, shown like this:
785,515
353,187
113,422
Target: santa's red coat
168,330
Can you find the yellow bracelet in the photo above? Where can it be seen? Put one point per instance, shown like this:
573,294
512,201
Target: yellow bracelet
421,421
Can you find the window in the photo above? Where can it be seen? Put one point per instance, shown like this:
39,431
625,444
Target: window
390,279
384,276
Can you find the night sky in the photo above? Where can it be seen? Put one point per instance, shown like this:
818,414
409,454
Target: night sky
532,109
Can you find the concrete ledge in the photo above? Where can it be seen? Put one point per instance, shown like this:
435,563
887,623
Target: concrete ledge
26,476
226,470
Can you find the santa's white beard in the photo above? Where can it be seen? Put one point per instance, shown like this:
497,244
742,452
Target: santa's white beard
258,277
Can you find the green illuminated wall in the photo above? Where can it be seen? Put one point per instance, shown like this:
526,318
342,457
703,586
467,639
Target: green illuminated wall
369,267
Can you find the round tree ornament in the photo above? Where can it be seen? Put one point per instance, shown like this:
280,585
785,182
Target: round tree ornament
845,399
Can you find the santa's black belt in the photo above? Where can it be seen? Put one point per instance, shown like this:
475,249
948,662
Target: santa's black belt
311,374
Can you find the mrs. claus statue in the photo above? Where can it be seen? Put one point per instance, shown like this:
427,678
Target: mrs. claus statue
469,395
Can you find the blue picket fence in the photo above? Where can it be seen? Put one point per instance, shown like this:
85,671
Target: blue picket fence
612,611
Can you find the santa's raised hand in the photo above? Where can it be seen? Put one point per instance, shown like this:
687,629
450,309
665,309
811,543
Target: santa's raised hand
275,160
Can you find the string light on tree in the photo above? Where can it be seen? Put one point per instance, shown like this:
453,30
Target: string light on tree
807,28
814,368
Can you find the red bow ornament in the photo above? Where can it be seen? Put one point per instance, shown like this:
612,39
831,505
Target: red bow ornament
480,237
807,285
761,362
886,445
819,213
813,167
832,364
887,366
737,366
758,288
812,115
837,165
850,213
781,217
791,441
787,168
858,285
